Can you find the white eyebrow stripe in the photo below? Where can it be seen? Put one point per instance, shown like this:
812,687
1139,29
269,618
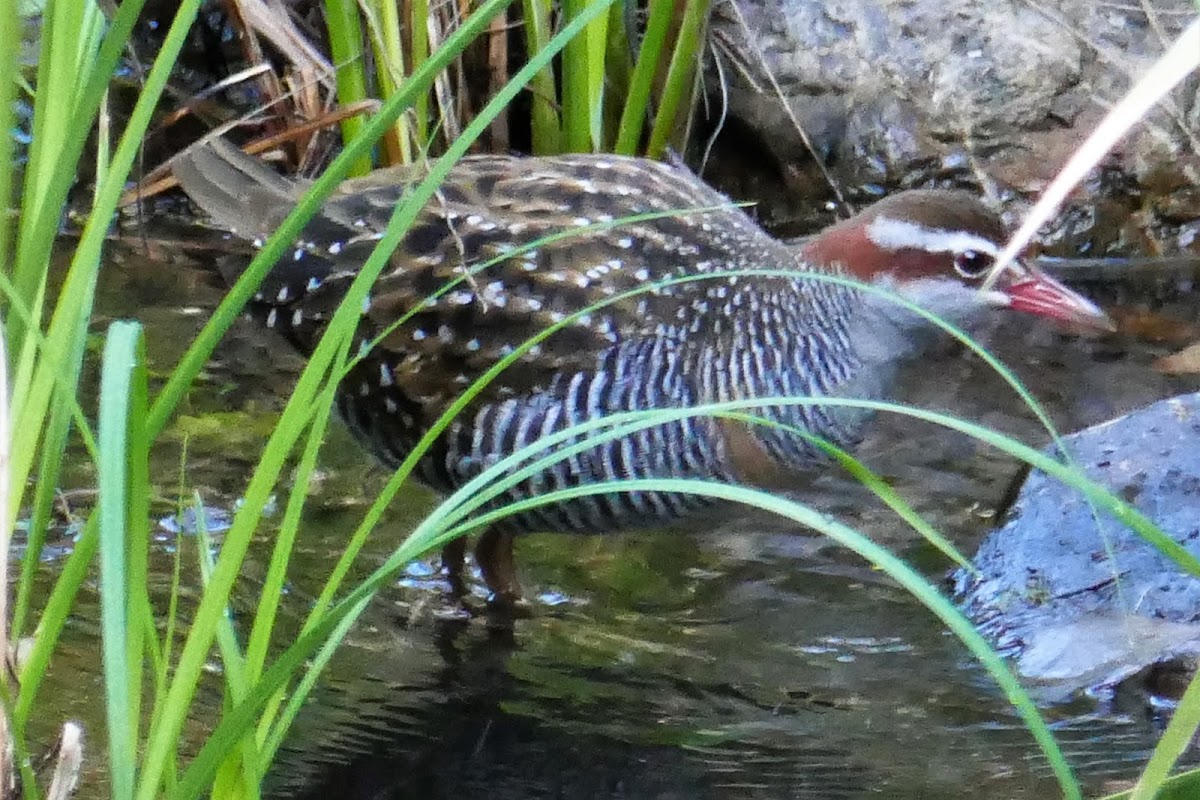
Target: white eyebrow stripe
898,234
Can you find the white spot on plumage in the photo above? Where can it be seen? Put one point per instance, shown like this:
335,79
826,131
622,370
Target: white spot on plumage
473,345
335,248
642,274
419,335
257,242
385,375
297,318
625,243
282,295
359,223
581,222
313,285
297,254
390,405
474,219
445,334
271,317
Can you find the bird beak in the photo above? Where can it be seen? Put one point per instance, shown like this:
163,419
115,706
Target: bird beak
1037,293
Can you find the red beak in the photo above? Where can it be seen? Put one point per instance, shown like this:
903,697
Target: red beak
1038,293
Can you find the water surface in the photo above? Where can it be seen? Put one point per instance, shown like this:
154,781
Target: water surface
752,660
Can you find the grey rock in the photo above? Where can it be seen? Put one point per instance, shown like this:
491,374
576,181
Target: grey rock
1057,571
882,86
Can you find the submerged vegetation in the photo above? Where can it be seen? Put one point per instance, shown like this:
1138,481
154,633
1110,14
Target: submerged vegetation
587,76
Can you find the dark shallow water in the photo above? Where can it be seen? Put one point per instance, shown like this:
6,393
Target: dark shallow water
751,660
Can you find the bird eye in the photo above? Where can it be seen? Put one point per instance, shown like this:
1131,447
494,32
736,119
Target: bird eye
972,263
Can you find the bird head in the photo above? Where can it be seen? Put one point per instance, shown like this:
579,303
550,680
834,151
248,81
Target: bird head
936,248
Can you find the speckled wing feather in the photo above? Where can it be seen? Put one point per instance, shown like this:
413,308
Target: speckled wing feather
668,347
491,208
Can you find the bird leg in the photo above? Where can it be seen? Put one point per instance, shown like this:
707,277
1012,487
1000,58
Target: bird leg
494,554
454,554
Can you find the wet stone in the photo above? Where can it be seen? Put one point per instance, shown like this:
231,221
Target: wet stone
1056,567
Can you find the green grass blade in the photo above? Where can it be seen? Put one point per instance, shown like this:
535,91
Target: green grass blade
54,616
875,554
473,130
637,104
120,360
544,120
576,108
66,337
1173,743
43,202
345,47
680,82
236,778
383,18
417,84
10,47
237,539
419,33
236,721
595,39
300,693
289,526
401,219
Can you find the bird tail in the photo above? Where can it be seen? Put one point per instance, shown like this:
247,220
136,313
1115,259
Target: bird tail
239,192
245,196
